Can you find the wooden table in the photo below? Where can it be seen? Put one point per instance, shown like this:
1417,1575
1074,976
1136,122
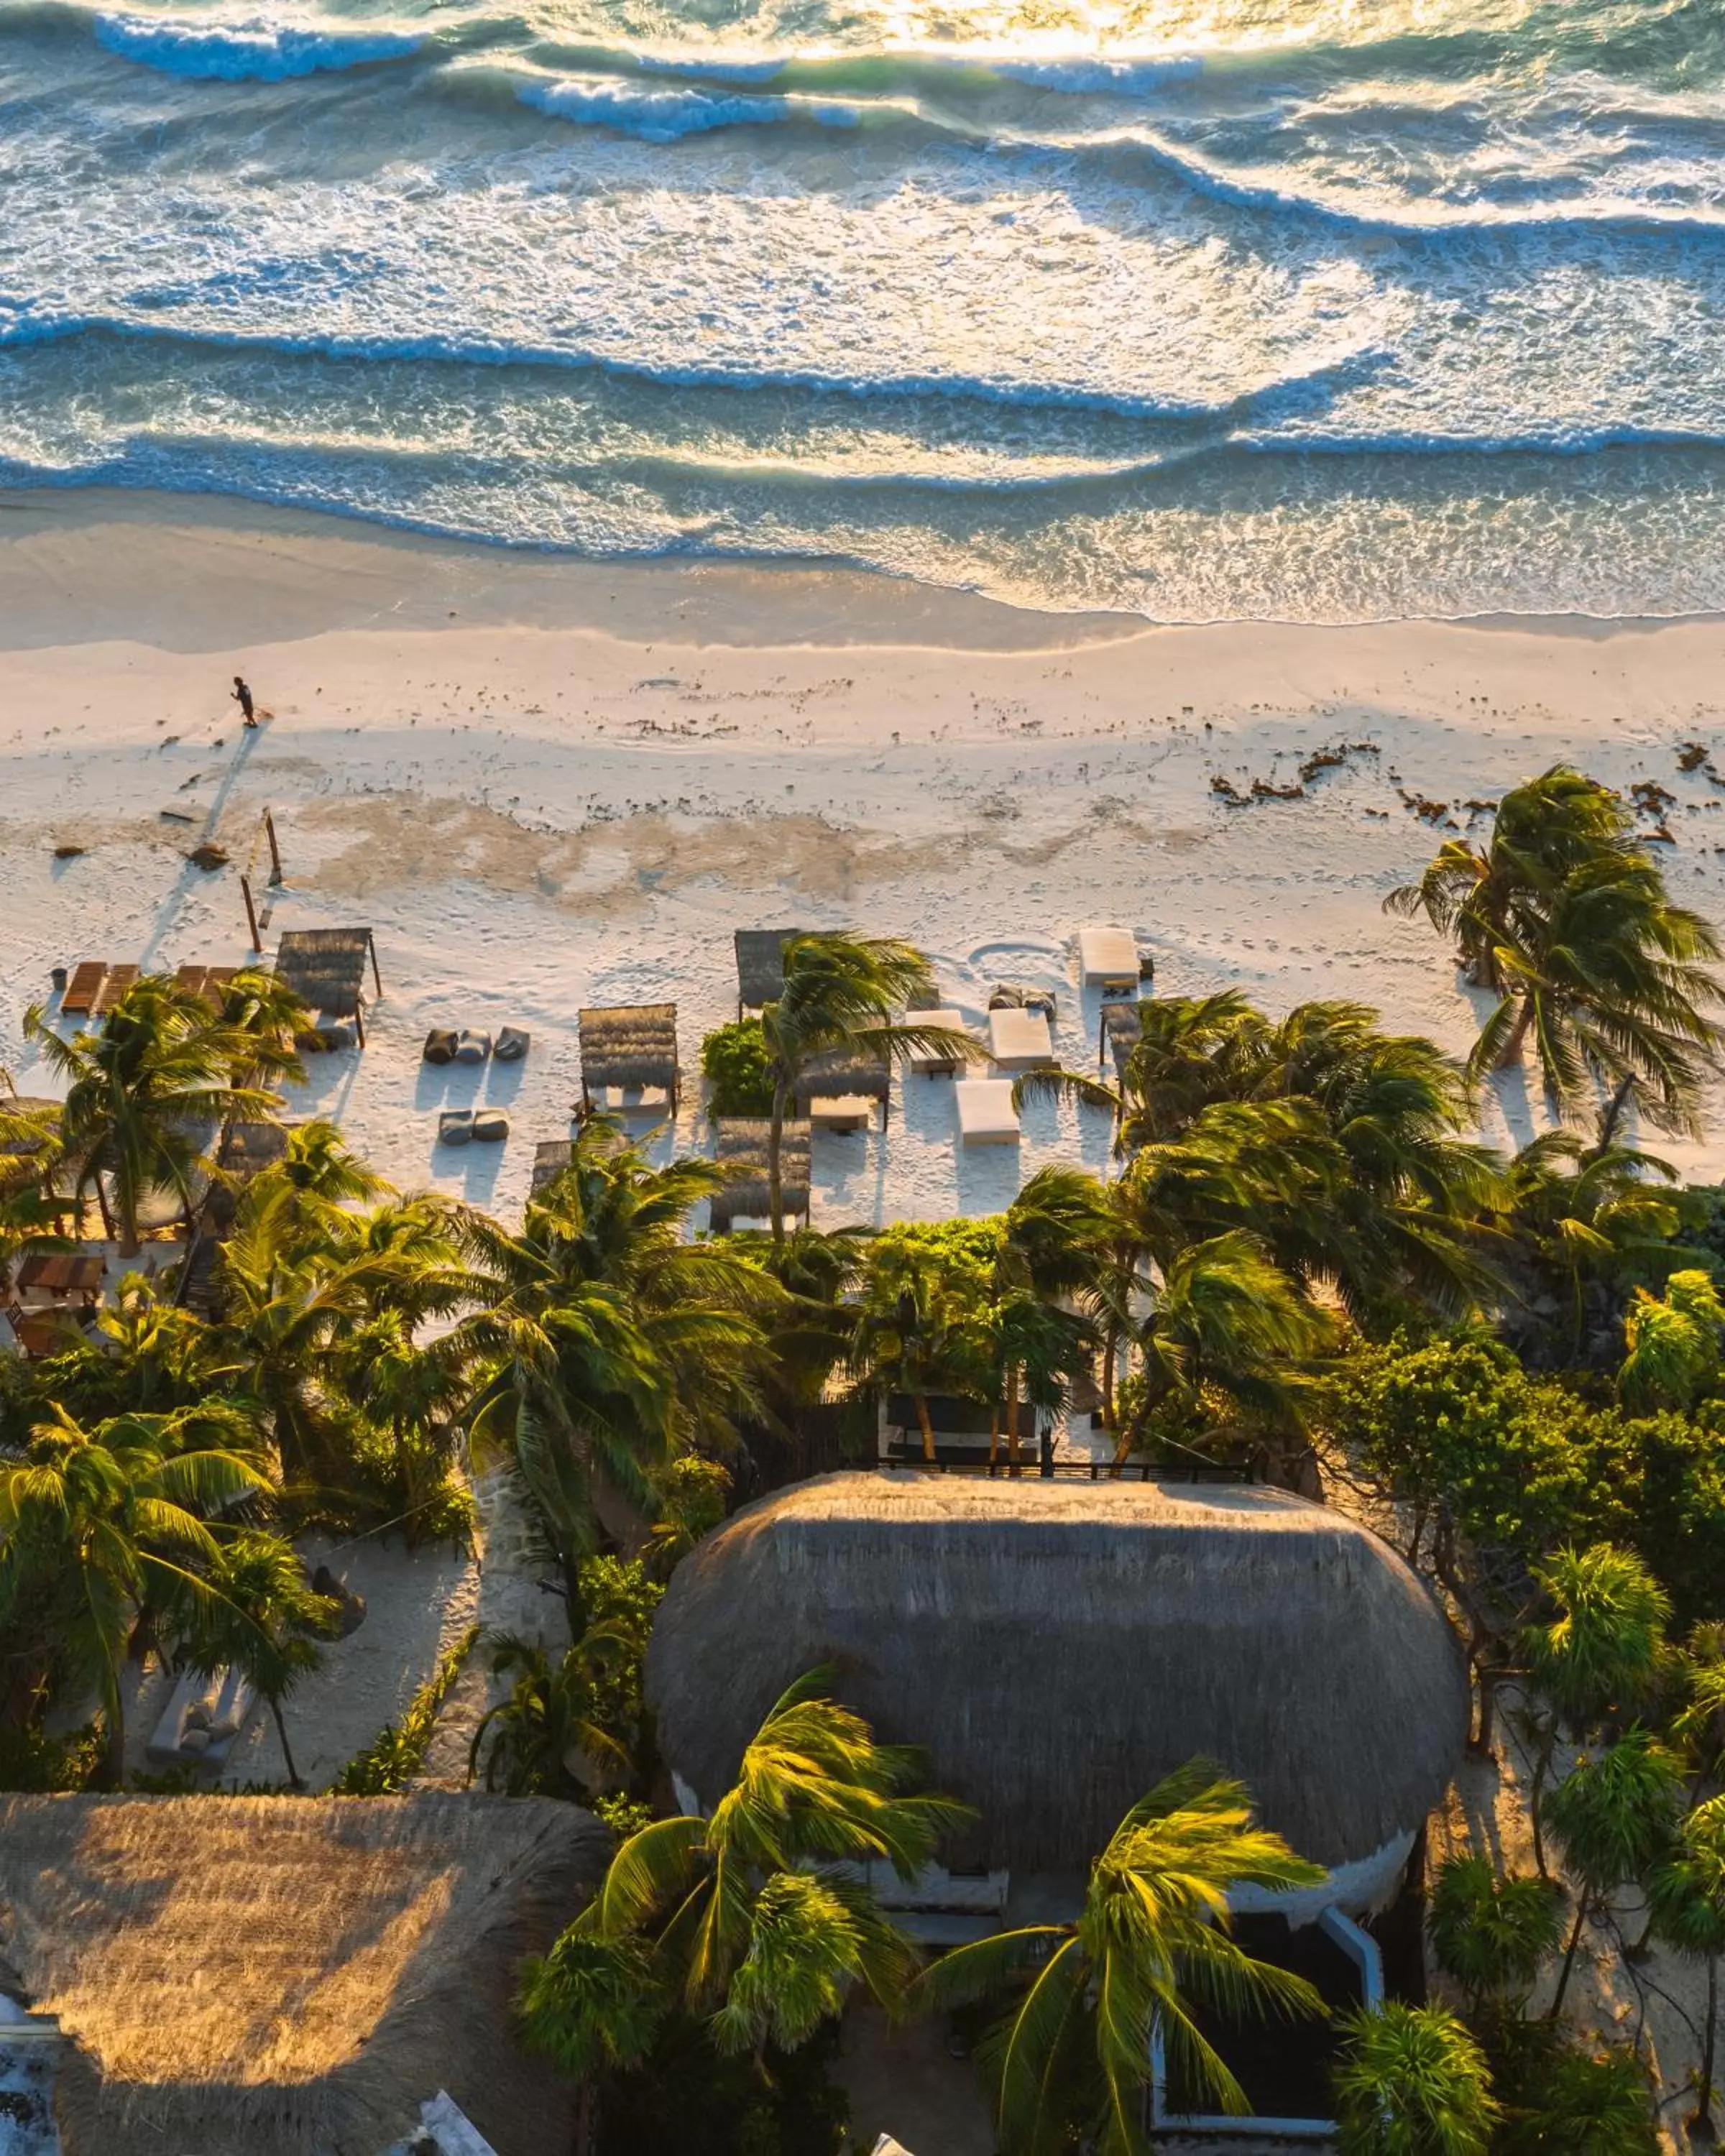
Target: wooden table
63,1272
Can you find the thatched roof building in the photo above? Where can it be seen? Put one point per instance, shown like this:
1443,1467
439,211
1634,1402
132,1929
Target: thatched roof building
742,1148
760,966
631,1047
1058,1646
286,1976
325,968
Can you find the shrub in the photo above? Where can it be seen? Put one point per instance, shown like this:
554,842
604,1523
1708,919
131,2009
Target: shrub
734,1062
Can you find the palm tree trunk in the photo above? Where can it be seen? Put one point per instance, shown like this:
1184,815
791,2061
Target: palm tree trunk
927,1428
102,1208
775,1144
293,1775
586,2138
1701,2126
1517,1034
113,1768
1576,1932
1110,1344
1012,1416
994,1435
1535,1800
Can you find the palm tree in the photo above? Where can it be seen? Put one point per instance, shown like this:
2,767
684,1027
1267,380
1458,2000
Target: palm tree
591,2006
261,1616
1671,1343
1686,1900
102,1524
1151,1943
605,1346
1412,2081
1602,1648
1614,1817
268,1017
538,1742
924,1325
1566,918
143,1097
1493,1932
1226,1321
841,994
737,1919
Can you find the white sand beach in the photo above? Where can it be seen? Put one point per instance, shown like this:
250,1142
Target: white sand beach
546,784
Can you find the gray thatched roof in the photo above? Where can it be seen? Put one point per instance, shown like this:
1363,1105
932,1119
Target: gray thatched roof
741,1151
326,967
550,1156
1122,1029
629,1044
837,1072
288,1976
1059,1646
760,965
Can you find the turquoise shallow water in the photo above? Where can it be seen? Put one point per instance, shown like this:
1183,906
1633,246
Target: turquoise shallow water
1204,308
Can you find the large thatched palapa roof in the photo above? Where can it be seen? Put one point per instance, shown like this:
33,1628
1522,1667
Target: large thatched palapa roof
326,967
1059,1646
286,1976
741,1150
629,1045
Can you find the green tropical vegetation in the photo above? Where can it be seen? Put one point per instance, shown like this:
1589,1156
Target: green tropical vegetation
1300,1265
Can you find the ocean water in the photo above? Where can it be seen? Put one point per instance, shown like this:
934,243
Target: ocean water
1337,310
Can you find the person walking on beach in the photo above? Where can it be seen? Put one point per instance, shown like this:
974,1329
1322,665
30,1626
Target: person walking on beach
242,696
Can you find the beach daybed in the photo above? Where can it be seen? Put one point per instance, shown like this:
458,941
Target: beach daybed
935,1062
742,1151
1107,959
208,982
760,966
120,979
986,1114
1019,1040
629,1049
325,968
203,1720
84,987
838,1089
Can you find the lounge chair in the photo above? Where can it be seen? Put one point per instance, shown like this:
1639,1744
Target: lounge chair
1108,960
935,1062
203,1720
455,1126
79,999
120,979
1019,1040
439,1045
512,1043
491,1127
986,1115
472,1047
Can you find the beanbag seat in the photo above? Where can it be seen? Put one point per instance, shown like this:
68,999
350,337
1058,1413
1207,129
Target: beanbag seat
455,1126
512,1045
490,1126
472,1047
439,1045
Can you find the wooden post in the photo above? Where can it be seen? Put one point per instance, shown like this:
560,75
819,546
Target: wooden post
251,914
375,975
359,1019
274,849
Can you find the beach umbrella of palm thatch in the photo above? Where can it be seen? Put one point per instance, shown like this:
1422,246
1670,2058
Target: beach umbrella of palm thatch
1059,1647
284,1974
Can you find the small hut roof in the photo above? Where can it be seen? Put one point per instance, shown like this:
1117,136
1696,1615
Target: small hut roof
629,1044
741,1151
550,1156
290,1976
326,967
1057,1647
1122,1028
759,964
837,1072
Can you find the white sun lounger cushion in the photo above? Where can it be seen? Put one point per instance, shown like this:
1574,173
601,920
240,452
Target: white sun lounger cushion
934,1059
1108,958
1019,1040
986,1115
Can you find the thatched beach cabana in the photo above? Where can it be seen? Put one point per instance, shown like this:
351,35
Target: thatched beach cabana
760,965
325,968
629,1048
853,1077
1057,1647
741,1150
289,1976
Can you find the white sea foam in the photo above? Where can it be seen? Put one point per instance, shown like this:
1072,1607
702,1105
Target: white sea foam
666,115
254,49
